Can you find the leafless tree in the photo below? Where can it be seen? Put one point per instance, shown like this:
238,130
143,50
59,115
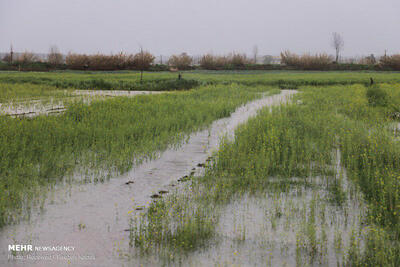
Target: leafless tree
255,53
27,58
54,57
142,61
9,57
337,43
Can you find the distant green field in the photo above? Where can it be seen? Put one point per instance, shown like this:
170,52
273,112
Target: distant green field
159,81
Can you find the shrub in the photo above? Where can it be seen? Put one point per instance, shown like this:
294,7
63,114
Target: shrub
27,58
77,62
377,96
142,60
391,62
232,61
370,60
239,60
106,62
307,61
181,62
7,58
208,62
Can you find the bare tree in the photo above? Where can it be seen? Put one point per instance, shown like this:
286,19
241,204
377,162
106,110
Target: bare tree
54,57
27,58
255,53
142,61
9,57
337,43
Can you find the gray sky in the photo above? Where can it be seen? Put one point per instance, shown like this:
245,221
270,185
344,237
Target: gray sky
200,26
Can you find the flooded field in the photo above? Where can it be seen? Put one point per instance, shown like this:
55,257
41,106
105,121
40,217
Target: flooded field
49,106
298,226
230,173
95,218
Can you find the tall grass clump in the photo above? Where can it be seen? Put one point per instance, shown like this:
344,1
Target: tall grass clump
231,61
377,96
306,61
101,62
181,62
391,62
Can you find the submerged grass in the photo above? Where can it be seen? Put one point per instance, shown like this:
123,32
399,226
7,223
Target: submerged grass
297,140
105,135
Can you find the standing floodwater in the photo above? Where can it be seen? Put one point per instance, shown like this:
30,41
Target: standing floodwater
86,224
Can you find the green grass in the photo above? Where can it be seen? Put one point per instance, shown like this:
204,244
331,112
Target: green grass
101,81
22,92
106,135
127,80
297,140
336,111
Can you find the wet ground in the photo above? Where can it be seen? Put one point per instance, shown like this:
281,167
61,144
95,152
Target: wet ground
47,106
92,219
301,226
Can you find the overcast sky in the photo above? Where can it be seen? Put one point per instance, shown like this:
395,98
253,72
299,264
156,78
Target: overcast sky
165,27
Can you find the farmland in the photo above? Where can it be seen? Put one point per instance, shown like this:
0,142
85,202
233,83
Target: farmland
313,180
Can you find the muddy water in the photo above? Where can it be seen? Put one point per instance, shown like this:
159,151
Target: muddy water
114,92
32,108
301,226
92,219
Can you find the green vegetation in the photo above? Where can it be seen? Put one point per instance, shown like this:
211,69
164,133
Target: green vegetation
377,96
20,92
168,80
99,81
298,140
105,135
322,172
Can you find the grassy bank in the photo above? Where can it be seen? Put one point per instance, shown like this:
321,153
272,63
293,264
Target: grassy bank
284,152
99,81
107,136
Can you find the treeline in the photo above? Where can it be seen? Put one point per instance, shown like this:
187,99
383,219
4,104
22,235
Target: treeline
327,62
144,61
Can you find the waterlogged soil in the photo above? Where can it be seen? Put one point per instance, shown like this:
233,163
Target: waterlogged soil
302,223
301,226
113,93
93,218
32,108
